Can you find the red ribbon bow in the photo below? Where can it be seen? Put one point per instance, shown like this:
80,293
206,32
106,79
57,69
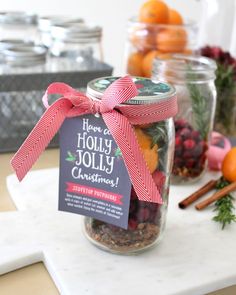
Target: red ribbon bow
118,118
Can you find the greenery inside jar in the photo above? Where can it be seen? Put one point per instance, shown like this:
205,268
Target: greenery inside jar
225,118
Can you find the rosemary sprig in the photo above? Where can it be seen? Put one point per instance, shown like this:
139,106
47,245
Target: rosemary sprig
200,109
224,206
158,133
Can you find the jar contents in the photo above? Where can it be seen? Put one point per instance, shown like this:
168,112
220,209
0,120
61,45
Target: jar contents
225,119
190,151
193,78
146,220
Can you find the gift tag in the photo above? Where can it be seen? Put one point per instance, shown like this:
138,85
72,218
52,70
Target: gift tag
93,178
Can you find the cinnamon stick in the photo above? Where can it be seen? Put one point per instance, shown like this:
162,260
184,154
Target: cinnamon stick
199,193
218,195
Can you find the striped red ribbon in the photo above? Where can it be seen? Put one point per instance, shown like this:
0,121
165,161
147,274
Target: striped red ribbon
118,118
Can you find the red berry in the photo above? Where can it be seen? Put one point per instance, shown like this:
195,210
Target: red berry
216,52
178,162
198,150
132,224
185,133
187,155
195,135
189,144
178,141
159,179
178,150
143,214
190,163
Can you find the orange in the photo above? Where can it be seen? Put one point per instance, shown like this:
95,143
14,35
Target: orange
148,149
188,51
154,12
134,64
143,37
172,40
147,63
174,17
229,165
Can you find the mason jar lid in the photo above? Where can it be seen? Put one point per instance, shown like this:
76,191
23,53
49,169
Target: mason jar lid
182,68
17,18
9,43
46,22
148,91
76,33
25,55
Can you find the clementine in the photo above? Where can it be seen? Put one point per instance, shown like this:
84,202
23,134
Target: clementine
172,40
148,59
154,12
143,37
229,165
134,64
148,149
175,17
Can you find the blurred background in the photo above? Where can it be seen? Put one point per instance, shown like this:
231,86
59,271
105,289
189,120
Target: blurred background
113,16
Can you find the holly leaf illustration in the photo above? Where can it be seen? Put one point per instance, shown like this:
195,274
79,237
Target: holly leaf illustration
70,157
118,153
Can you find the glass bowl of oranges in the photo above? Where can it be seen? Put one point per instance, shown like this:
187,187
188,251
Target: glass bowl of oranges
157,32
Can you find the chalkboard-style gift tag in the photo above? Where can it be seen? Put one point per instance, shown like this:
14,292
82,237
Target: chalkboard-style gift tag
93,178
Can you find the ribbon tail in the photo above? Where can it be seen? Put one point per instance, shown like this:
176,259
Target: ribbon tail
40,137
139,173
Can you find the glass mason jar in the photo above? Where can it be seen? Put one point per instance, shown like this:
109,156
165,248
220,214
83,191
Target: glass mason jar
18,25
193,78
147,41
20,61
77,45
46,22
146,221
25,58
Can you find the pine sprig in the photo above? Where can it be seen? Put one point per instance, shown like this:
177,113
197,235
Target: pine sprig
224,206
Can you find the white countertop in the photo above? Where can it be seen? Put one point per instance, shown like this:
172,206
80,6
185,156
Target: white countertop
195,256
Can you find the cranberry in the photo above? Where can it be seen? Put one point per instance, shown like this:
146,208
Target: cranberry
153,207
190,163
178,151
178,162
143,214
132,224
189,144
159,179
181,123
195,135
187,155
178,141
185,133
198,150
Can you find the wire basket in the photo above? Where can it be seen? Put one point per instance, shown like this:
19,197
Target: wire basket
21,101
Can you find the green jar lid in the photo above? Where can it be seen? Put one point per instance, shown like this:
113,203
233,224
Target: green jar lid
149,91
